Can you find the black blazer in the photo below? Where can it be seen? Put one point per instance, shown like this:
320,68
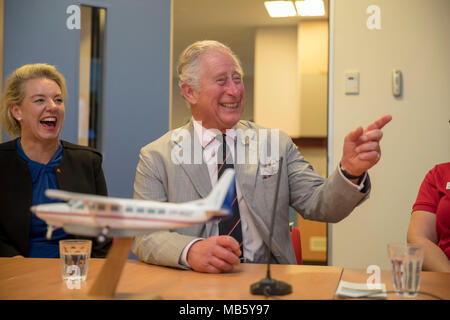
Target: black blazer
80,170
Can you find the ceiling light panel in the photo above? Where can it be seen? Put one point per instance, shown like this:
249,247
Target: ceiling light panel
310,7
278,9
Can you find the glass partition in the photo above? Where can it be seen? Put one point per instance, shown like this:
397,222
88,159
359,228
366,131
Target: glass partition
92,44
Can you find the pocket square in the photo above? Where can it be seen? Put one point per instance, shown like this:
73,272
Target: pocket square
269,169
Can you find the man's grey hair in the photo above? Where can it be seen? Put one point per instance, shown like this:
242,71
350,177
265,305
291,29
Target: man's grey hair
189,68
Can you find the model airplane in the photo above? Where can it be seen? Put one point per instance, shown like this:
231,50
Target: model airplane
100,216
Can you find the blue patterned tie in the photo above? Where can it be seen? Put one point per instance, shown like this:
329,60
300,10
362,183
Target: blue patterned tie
230,225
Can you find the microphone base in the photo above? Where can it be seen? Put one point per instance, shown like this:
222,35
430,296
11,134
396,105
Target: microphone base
270,287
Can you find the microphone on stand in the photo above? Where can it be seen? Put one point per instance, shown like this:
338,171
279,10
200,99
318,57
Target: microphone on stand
269,286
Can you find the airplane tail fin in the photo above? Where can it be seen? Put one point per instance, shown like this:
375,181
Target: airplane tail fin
222,195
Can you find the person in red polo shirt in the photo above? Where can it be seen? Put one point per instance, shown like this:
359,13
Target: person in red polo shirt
430,219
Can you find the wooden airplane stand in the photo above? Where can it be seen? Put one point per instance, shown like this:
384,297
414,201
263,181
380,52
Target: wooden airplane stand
106,282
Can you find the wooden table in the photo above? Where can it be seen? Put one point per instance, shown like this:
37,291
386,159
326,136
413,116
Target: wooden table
40,279
435,283
26,278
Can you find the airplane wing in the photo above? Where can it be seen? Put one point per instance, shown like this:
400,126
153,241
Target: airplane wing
67,196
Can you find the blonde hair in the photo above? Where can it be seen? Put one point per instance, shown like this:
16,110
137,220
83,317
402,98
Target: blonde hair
15,91
188,64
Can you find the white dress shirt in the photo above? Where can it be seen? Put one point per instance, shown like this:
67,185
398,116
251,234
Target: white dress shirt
253,244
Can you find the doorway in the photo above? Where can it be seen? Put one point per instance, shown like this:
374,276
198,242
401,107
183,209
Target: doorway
296,48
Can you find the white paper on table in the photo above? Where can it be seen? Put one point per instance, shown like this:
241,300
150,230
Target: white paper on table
357,290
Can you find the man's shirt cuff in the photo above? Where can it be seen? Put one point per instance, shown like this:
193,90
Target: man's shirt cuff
183,258
358,187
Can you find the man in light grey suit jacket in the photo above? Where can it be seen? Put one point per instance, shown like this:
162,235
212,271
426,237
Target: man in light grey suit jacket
177,167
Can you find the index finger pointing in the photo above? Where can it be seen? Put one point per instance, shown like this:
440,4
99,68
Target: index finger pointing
380,123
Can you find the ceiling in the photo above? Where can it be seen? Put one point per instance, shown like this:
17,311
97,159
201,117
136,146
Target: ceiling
233,22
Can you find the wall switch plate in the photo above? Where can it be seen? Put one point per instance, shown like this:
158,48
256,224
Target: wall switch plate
351,82
397,81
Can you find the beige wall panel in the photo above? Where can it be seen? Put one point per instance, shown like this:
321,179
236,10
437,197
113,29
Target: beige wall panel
313,74
276,100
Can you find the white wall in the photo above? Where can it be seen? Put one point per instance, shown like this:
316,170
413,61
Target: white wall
415,38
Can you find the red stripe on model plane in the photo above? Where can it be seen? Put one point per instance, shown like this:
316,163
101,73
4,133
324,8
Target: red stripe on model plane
117,217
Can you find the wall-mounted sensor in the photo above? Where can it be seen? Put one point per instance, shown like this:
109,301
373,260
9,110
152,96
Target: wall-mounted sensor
351,82
397,83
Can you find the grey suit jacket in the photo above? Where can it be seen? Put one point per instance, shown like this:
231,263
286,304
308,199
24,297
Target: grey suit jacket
169,169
